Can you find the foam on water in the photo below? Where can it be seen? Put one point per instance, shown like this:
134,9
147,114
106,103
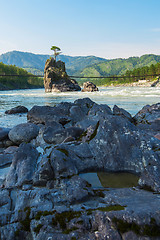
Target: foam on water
130,98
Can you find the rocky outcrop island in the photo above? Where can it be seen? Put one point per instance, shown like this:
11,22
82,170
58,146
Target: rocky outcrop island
56,78
89,87
63,174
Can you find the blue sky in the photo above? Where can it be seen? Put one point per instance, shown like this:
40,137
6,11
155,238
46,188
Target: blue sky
104,28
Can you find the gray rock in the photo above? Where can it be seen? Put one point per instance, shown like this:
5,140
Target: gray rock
89,87
8,232
122,112
7,156
23,166
74,190
18,109
44,188
24,132
5,159
85,104
4,133
45,114
148,119
61,163
101,111
76,113
49,132
56,78
58,136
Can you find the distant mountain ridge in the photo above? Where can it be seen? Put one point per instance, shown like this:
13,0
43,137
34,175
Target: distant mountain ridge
79,65
35,62
119,66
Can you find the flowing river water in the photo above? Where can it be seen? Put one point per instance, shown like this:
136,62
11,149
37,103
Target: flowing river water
131,99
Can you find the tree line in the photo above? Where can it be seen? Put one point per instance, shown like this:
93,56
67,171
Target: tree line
25,80
130,76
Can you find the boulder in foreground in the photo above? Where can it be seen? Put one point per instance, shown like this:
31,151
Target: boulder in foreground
44,196
23,132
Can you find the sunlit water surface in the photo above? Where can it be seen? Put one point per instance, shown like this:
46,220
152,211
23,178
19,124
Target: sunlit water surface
131,99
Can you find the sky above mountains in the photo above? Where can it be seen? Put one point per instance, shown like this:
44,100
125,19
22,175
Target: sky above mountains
104,28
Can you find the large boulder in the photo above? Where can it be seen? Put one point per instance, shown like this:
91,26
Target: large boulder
56,78
89,87
18,109
24,132
45,114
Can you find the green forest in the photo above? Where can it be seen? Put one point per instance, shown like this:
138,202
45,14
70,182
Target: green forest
24,81
129,76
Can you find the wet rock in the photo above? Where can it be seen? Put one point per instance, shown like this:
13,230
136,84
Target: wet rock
24,132
18,109
56,78
89,87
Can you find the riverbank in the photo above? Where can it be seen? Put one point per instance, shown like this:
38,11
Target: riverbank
140,83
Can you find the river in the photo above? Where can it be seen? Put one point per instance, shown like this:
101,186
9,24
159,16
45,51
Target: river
131,99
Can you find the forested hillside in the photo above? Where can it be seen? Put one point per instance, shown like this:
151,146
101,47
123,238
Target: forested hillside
130,75
26,80
35,63
119,66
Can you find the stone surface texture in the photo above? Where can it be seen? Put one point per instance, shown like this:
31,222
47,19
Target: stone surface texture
42,196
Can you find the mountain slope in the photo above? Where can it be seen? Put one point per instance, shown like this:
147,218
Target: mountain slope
34,62
119,66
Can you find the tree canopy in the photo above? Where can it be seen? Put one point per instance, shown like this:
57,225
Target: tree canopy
56,51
